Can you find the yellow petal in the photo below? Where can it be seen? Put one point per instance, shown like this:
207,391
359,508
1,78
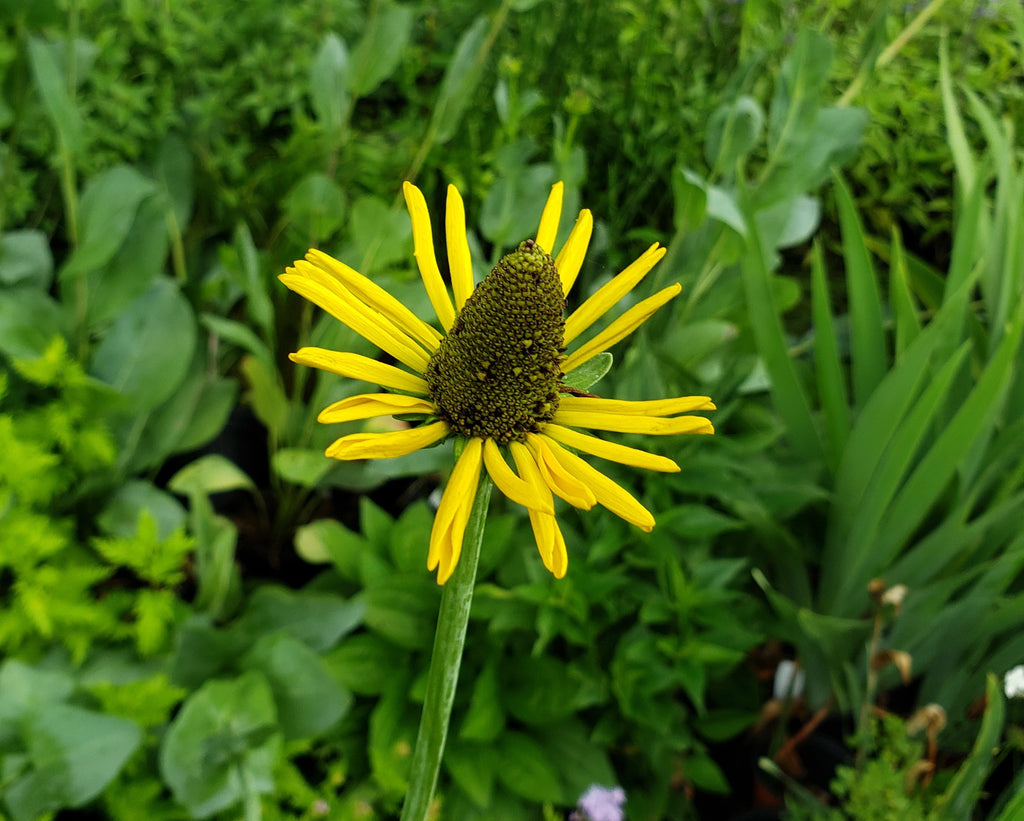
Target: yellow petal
550,218
629,423
453,513
570,258
355,366
653,407
459,261
610,293
610,495
387,445
369,405
610,450
620,328
550,543
377,298
423,247
518,490
561,481
370,325
527,467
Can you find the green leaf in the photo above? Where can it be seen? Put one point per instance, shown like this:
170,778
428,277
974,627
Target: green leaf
835,403
579,760
318,620
212,473
224,746
589,373
367,664
391,738
485,718
301,466
379,51
24,688
539,690
147,351
108,207
120,515
29,321
410,537
73,755
690,199
309,700
266,395
701,770
237,333
798,91
527,770
733,130
403,609
459,81
472,767
326,540
329,84
315,206
56,97
25,257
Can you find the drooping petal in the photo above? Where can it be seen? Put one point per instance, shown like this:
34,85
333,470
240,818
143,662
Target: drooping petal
550,218
652,407
620,328
550,543
453,512
527,467
387,445
610,450
629,423
356,366
570,258
377,298
423,247
609,494
561,481
530,496
610,293
370,325
370,405
459,261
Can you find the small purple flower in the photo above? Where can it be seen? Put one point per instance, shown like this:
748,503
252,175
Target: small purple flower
600,804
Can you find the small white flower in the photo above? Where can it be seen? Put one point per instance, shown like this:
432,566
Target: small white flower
789,681
1013,684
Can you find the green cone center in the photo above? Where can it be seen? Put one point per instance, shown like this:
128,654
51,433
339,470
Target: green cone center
497,372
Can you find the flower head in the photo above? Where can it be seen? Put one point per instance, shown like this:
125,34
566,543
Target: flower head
494,375
600,804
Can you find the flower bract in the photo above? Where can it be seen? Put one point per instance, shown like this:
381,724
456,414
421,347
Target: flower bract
492,373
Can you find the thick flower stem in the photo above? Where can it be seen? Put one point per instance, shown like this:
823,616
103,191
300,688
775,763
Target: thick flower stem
456,600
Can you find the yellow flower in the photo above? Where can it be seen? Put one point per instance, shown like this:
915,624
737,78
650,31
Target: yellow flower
493,376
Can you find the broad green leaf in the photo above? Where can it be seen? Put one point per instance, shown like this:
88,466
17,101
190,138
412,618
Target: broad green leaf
702,771
391,738
107,211
174,174
690,199
867,333
379,51
56,97
329,84
367,664
403,609
211,473
579,759
309,700
120,515
25,258
318,620
485,718
258,304
788,222
472,767
459,82
831,377
301,466
798,91
381,236
73,754
409,538
733,130
146,353
324,540
266,395
29,320
237,333
224,746
24,688
315,206
527,769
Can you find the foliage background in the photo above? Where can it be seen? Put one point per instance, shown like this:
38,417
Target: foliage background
184,576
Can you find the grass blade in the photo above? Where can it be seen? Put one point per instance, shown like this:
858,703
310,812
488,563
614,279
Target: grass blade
835,402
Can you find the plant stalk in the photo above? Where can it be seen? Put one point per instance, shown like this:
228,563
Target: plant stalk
456,600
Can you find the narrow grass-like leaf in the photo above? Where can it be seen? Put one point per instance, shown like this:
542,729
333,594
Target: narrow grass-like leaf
867,333
974,419
53,91
907,322
963,160
960,797
787,391
835,402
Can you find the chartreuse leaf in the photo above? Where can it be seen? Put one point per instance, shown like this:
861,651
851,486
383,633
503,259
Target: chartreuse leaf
867,332
224,745
835,403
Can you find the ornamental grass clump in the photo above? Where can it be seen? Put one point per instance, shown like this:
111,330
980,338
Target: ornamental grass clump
498,377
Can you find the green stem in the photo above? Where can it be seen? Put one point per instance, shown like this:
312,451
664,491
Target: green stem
444,663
